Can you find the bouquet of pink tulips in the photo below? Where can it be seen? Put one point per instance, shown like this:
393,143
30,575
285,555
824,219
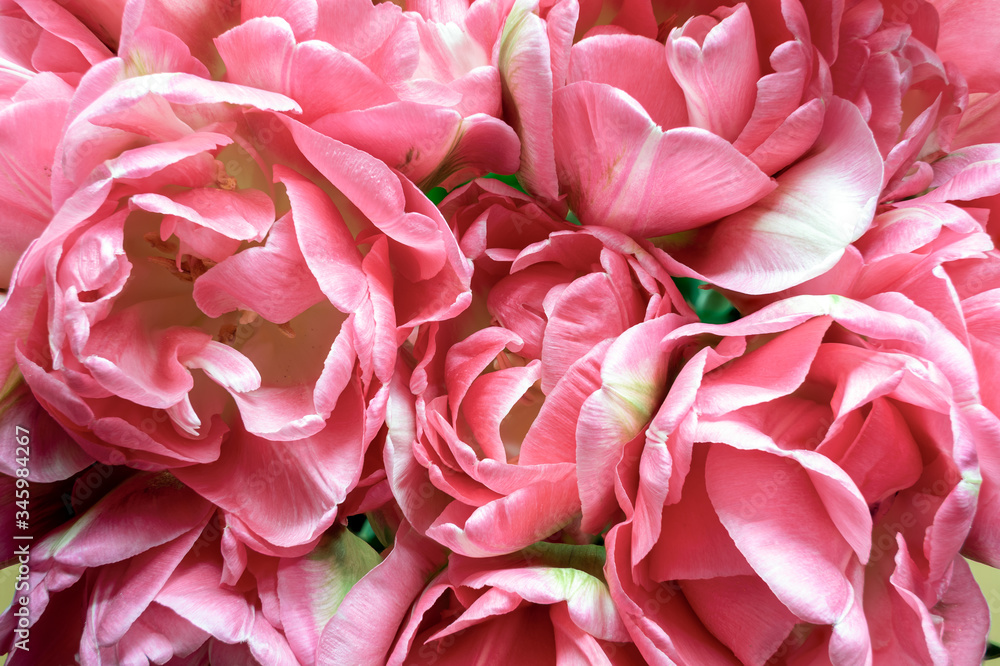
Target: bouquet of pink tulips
501,332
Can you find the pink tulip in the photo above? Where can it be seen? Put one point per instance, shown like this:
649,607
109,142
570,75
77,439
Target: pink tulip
728,145
490,462
193,303
938,255
813,466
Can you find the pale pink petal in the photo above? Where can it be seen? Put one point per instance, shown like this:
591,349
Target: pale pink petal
57,21
980,123
525,69
363,629
592,308
714,59
27,150
519,519
194,23
302,15
633,378
269,646
560,26
241,214
884,458
154,50
311,588
624,172
240,49
801,229
970,173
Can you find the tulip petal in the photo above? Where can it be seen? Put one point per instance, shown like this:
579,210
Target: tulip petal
718,70
311,589
798,231
296,477
790,540
636,65
526,74
624,172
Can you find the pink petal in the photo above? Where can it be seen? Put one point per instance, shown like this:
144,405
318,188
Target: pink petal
633,376
363,629
636,65
302,15
380,197
26,166
777,368
525,69
510,523
779,94
718,69
194,593
242,214
798,231
57,21
54,454
790,541
743,613
356,87
272,280
123,591
552,436
154,50
965,613
240,49
296,472
152,509
429,145
195,23
591,309
311,588
969,31
793,137
970,173
625,173
664,627
706,550
884,437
